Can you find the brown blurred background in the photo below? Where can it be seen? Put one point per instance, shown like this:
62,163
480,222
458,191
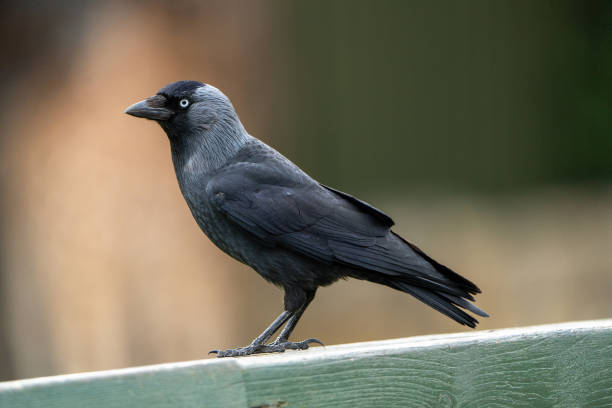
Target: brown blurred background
483,128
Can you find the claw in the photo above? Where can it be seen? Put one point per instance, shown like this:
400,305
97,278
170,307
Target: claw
213,352
302,345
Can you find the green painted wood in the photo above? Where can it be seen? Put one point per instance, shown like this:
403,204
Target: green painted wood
168,385
565,365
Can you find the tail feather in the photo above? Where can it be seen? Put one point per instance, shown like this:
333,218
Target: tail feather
397,263
458,280
435,286
465,304
438,302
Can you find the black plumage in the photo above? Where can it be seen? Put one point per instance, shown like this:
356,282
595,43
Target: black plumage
264,211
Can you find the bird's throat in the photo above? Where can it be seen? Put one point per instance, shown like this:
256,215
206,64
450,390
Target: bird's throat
202,153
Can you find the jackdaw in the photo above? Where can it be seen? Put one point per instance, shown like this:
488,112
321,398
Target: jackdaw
264,211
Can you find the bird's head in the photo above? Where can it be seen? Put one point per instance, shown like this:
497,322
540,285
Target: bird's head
200,122
186,107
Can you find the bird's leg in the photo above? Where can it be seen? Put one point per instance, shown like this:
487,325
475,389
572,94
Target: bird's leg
276,324
257,344
282,342
288,329
296,301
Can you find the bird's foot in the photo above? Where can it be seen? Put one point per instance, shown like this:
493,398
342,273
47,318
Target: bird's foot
279,346
275,347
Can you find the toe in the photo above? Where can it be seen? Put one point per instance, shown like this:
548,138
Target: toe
223,353
273,348
309,341
302,345
238,352
296,346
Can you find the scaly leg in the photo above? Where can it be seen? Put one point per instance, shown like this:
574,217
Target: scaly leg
296,302
258,343
282,342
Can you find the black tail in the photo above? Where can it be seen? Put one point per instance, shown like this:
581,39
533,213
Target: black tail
442,302
445,290
457,280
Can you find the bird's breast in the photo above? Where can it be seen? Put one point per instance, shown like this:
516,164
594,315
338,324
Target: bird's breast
224,234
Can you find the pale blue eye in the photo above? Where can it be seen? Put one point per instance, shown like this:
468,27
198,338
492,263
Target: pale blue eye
183,103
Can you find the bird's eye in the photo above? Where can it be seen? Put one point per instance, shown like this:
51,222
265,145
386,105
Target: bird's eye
183,103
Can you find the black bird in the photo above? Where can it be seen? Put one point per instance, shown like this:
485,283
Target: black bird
264,211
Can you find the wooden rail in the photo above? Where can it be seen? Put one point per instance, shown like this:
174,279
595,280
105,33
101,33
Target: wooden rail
563,365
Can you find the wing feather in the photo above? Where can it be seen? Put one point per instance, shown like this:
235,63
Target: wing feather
280,205
327,225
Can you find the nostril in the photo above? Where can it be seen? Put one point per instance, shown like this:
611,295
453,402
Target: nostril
157,101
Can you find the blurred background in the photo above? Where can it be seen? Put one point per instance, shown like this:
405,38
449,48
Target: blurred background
483,128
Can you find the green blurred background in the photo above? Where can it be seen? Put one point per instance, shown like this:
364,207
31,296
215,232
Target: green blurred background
483,128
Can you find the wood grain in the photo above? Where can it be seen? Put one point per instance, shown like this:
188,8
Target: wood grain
565,365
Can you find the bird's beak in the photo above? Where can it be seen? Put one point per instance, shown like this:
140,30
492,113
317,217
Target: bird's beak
151,108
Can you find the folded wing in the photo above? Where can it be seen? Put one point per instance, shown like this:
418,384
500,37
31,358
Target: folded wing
334,227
